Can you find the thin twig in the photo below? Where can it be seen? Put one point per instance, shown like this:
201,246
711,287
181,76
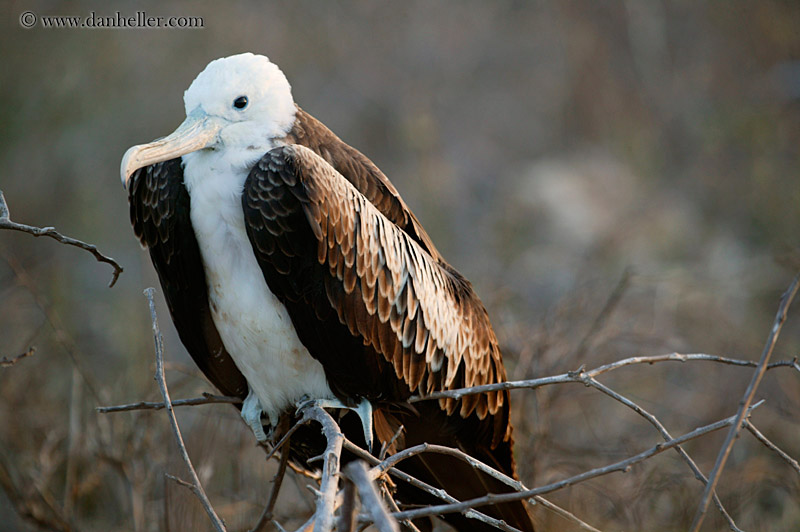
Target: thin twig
62,336
195,485
424,486
608,309
744,404
589,381
286,437
577,375
370,499
391,462
277,480
780,452
394,508
6,362
32,504
6,223
623,465
206,399
569,516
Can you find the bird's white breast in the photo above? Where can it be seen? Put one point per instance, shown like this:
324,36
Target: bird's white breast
254,326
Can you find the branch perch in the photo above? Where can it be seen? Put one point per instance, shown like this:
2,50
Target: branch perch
195,485
623,465
206,399
326,497
744,404
6,223
370,499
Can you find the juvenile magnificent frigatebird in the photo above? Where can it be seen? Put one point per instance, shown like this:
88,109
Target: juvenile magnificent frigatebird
293,269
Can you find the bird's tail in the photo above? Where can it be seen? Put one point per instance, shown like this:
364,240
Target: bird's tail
457,477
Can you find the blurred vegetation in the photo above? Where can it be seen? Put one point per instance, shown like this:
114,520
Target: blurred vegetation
546,146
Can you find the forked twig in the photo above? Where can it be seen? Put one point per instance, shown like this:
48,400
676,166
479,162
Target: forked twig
744,404
623,465
6,223
389,463
424,486
194,485
580,373
370,499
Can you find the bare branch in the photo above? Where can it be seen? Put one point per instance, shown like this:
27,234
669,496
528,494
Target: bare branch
370,499
206,399
326,497
744,404
32,504
62,336
389,463
623,465
578,374
565,514
589,381
6,362
267,514
763,439
6,223
395,509
348,512
436,492
195,486
608,309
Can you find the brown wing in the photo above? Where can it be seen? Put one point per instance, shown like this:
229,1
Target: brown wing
159,209
382,315
363,174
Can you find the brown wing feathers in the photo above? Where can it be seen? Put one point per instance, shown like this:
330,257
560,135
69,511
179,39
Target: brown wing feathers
423,318
159,210
362,173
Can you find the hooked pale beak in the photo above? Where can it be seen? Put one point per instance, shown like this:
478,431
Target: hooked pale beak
198,131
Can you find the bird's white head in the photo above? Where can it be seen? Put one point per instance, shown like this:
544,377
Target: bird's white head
240,103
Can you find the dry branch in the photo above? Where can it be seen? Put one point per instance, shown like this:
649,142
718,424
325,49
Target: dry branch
6,223
267,514
31,503
771,446
348,511
206,399
326,497
579,374
436,492
370,499
389,463
6,362
589,381
744,404
623,465
195,485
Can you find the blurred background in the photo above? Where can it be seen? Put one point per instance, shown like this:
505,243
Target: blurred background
615,178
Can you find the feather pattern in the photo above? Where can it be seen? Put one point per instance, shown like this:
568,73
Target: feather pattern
159,210
415,311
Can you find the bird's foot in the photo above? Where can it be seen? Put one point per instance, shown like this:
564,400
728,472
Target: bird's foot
363,409
251,413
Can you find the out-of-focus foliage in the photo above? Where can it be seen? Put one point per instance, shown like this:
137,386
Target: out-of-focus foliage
546,146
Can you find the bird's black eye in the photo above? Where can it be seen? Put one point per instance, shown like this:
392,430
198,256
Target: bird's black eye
240,102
